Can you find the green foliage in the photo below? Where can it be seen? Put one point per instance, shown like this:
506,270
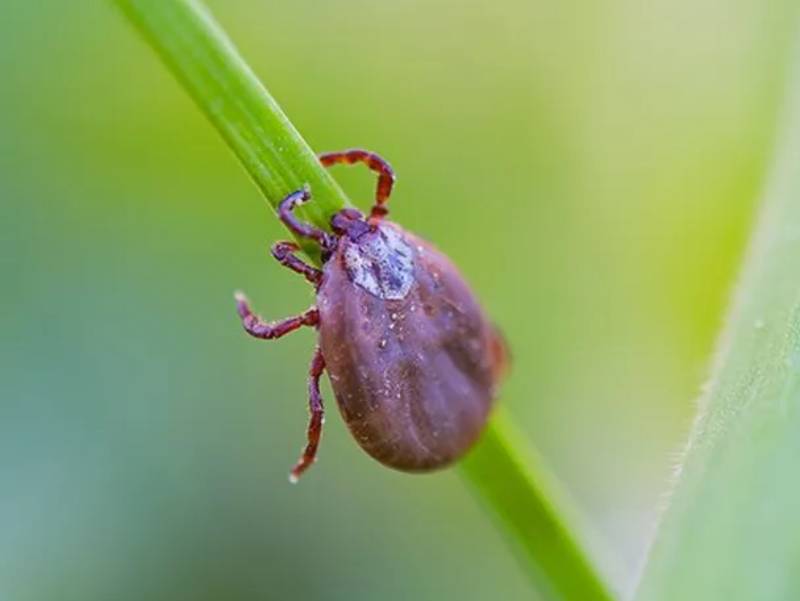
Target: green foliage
514,484
729,531
732,529
205,61
517,487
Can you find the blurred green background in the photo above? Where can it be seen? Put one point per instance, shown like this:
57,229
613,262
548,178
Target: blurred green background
593,167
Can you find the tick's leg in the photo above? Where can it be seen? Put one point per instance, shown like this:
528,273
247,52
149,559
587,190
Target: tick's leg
305,230
317,417
375,163
284,253
257,327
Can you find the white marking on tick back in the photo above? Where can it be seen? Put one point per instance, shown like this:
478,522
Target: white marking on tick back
382,263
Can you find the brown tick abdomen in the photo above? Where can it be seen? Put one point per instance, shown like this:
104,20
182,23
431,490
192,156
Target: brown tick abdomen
413,361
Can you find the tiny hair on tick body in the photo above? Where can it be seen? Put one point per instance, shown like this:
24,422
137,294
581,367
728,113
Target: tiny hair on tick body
413,361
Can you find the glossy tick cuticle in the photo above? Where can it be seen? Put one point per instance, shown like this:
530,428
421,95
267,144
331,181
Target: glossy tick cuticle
414,387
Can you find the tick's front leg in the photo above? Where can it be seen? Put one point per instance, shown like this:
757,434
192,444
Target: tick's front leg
257,327
300,228
317,416
375,163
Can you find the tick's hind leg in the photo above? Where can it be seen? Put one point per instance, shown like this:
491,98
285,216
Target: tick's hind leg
375,163
258,328
317,417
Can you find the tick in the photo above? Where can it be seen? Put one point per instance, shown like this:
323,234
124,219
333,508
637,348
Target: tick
413,361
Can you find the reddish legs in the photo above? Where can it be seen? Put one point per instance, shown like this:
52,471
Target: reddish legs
305,230
375,163
317,417
257,327
284,253
254,325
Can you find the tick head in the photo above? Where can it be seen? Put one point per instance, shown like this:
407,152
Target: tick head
351,223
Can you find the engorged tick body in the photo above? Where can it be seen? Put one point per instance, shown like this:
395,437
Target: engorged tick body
413,361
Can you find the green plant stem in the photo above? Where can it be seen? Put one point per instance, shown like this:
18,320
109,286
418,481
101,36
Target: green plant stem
731,530
511,481
514,483
200,55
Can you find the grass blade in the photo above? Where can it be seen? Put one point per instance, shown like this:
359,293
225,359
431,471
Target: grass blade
205,61
731,531
526,500
508,478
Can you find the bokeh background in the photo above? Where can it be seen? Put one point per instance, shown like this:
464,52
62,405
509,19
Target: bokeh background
593,167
